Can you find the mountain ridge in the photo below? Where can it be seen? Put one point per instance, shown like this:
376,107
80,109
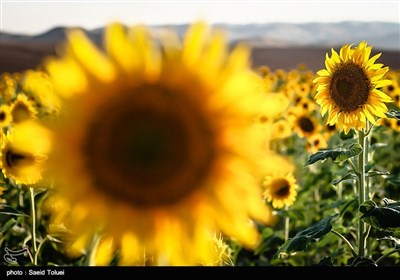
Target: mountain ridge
278,45
382,35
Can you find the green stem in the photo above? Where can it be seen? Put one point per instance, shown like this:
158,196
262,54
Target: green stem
38,250
287,222
317,199
366,158
361,191
346,241
353,166
33,215
339,190
387,255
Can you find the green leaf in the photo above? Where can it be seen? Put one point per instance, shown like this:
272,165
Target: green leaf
349,135
395,240
294,214
337,154
8,210
377,173
303,238
385,218
378,145
361,261
393,114
9,224
393,181
390,202
346,177
349,203
327,261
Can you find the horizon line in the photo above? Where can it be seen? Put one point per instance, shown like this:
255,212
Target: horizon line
189,23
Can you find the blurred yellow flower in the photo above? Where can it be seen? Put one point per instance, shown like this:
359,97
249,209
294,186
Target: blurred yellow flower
348,89
8,86
37,85
316,142
303,123
281,129
155,147
22,109
280,189
24,152
5,115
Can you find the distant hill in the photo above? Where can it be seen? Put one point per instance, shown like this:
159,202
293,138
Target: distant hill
382,35
278,45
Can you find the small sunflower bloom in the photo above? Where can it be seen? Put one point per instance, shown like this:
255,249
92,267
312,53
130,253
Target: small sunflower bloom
348,90
37,85
5,116
281,129
8,86
24,152
280,189
304,124
22,109
316,142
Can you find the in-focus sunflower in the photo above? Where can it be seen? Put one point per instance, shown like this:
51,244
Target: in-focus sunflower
155,147
280,189
348,89
24,152
22,109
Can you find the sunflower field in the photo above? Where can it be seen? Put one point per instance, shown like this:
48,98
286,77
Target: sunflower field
178,153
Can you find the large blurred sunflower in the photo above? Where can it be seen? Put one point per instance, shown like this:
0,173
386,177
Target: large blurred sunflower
348,89
154,148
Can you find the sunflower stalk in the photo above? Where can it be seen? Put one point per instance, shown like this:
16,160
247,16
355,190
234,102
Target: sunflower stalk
33,216
387,255
363,191
38,250
346,241
287,224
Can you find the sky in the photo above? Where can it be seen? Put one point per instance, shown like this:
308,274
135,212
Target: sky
34,17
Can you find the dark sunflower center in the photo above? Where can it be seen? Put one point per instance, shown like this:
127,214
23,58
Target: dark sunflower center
282,187
386,122
17,159
306,124
149,147
263,119
349,87
20,113
330,127
2,116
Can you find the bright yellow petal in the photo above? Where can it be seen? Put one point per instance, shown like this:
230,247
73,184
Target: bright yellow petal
90,57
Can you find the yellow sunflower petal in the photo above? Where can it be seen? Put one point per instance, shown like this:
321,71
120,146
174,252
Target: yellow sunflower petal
90,57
